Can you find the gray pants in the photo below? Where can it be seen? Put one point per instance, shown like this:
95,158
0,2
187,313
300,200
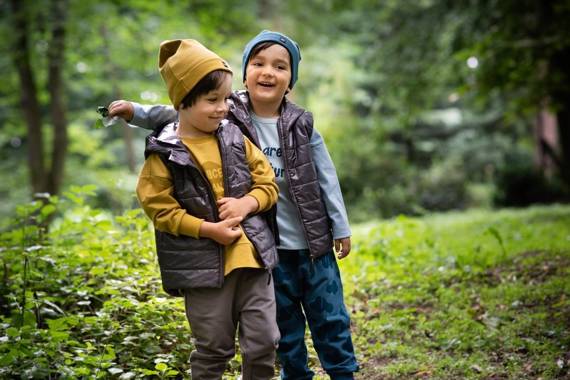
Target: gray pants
246,303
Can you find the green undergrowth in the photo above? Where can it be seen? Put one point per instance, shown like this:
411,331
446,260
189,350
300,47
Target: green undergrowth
83,299
475,295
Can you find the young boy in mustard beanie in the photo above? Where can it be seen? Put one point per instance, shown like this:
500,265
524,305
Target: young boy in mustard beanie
311,215
209,191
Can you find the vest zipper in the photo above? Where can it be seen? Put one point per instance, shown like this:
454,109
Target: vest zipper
227,193
223,155
216,219
288,177
216,216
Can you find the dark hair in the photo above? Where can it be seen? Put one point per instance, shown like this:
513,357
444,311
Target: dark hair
262,46
210,82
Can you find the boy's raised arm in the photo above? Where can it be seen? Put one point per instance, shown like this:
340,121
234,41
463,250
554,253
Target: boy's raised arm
143,116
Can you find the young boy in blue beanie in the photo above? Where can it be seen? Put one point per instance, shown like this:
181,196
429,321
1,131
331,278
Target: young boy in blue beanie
311,216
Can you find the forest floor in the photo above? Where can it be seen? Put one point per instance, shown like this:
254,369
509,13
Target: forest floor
476,295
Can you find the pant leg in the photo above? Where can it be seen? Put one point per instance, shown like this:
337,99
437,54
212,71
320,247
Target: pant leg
213,325
258,331
327,316
292,351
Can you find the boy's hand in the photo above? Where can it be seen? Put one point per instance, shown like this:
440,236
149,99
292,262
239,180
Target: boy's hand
122,108
224,232
342,247
237,207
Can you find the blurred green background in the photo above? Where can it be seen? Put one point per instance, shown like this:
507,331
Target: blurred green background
426,105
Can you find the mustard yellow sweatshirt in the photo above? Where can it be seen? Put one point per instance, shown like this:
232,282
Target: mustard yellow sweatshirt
155,194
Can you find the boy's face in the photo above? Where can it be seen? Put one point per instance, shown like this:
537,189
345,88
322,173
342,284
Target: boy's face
268,75
204,116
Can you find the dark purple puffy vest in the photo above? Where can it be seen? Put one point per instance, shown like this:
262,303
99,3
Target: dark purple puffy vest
186,262
295,127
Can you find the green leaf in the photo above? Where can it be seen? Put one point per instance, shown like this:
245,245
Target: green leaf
493,231
74,198
12,332
98,124
104,224
29,318
8,358
161,367
47,210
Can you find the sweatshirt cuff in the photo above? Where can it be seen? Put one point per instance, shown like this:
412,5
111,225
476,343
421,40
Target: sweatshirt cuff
262,200
139,116
190,226
341,233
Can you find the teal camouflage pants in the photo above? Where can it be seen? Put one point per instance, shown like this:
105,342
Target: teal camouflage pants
310,291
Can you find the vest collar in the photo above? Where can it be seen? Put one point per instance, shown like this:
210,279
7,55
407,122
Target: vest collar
240,109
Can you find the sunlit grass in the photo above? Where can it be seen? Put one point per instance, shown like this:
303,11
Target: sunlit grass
475,295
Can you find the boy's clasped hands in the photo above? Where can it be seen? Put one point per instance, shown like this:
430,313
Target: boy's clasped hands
231,212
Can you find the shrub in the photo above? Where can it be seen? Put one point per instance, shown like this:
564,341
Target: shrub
518,184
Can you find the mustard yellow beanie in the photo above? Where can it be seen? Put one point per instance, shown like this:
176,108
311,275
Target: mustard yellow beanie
183,63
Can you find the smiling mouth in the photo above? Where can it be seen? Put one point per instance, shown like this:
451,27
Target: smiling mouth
265,84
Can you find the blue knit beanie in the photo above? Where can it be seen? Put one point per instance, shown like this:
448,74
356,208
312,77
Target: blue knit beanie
281,39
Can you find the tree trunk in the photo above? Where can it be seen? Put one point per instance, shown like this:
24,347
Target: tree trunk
28,97
58,12
564,139
265,9
547,145
561,98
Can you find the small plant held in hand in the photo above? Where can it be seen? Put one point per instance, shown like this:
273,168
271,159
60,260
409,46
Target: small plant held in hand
106,121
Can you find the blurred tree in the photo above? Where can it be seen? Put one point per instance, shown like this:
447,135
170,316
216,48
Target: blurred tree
43,178
406,93
70,56
486,67
523,50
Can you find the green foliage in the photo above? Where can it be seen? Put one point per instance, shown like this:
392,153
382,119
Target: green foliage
83,298
520,184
